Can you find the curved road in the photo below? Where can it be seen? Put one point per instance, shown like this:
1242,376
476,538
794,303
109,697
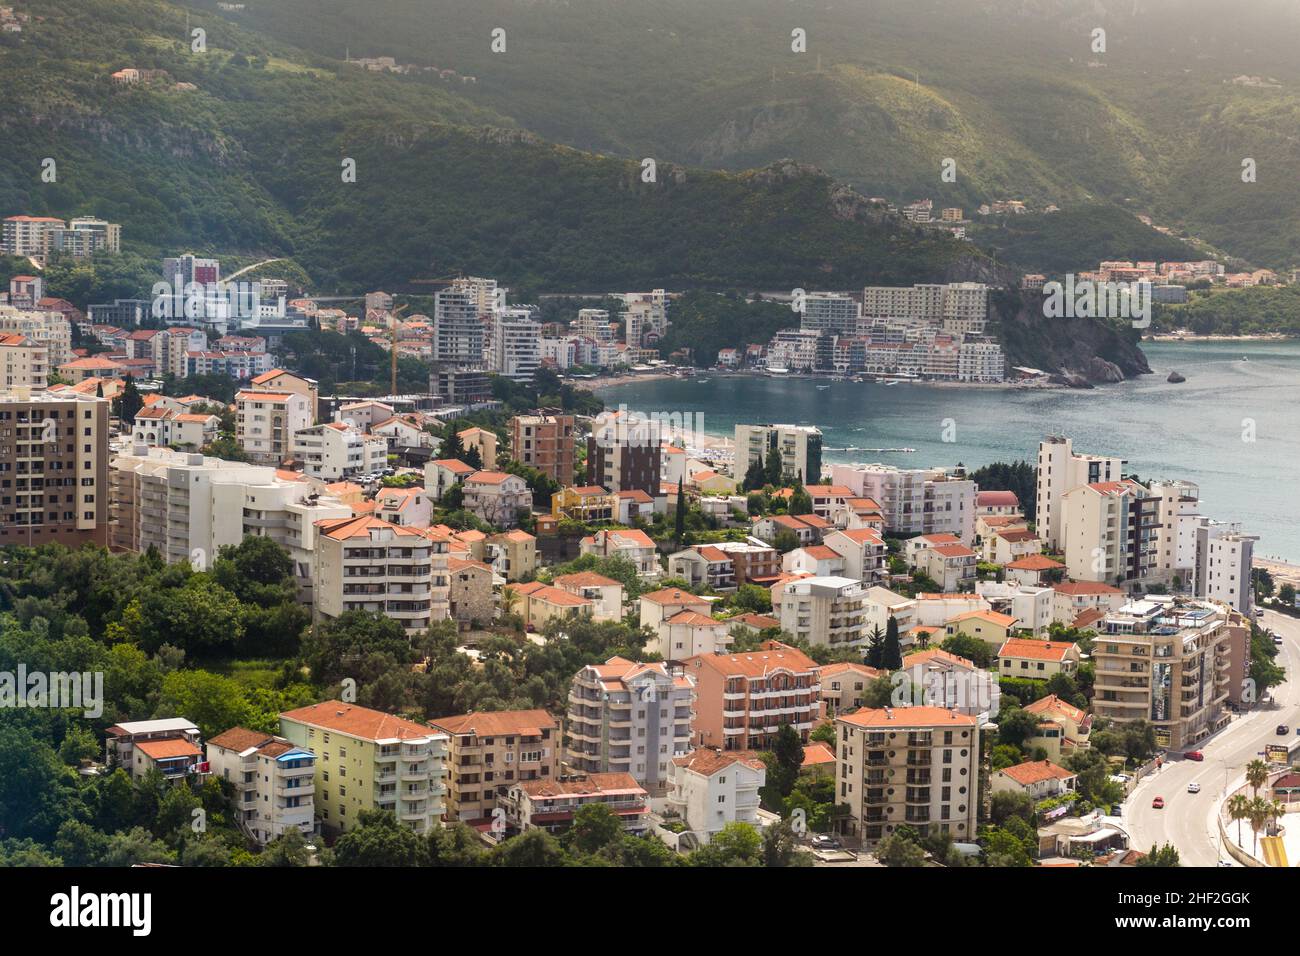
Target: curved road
1187,821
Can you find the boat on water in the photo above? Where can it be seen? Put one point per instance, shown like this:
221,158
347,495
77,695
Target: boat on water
823,386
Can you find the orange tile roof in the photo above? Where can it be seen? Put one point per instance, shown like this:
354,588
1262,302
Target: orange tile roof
908,717
167,749
1051,704
672,596
1036,771
773,656
358,721
489,477
498,723
586,579
993,617
1020,647
817,754
1035,562
694,619
341,529
708,762
936,654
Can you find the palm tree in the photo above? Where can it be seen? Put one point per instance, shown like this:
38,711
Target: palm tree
1261,812
1256,775
1238,810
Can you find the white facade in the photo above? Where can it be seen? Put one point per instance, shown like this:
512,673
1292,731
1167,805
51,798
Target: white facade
333,451
1060,470
914,500
827,611
710,790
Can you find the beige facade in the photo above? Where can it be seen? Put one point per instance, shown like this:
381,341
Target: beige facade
266,422
490,752
514,554
914,766
23,362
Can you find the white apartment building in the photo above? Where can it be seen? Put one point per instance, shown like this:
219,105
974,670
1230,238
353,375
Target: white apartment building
366,564
25,235
497,497
274,781
1109,532
914,766
914,500
1059,470
792,350
516,344
266,422
458,334
711,789
1178,513
184,504
23,362
1224,556
981,361
49,329
864,553
626,717
826,611
156,425
959,307
1032,606
800,447
334,452
829,312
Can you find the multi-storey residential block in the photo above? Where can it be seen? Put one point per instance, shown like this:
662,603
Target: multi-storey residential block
908,766
712,788
799,447
1167,661
266,422
1060,470
1063,728
513,554
278,380
458,334
23,362
182,504
1224,558
825,611
42,328
630,543
844,686
166,427
551,804
626,717
497,497
743,699
516,350
1110,531
491,752
369,760
335,452
170,745
863,552
365,564
54,459
914,500
623,453
274,781
544,442
829,312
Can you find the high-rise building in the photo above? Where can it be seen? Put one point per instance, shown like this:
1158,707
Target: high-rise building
624,453
516,344
1224,558
1111,532
908,766
914,500
742,700
799,447
545,442
50,329
492,751
829,312
53,468
1059,470
457,329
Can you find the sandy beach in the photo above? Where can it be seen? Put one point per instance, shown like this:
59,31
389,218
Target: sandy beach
1283,572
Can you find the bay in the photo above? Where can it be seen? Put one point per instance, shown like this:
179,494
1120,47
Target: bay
1233,427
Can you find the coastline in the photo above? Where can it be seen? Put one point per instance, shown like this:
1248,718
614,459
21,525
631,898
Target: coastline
1193,339
615,381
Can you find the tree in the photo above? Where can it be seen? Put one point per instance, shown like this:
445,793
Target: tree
875,654
755,477
679,515
785,541
971,648
781,847
897,849
536,848
1238,810
800,501
595,826
129,402
772,470
1160,856
1256,775
1286,594
1015,726
736,844
379,840
784,761
891,654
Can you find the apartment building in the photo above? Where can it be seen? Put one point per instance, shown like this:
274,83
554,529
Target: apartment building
863,552
825,611
26,235
799,446
1167,661
513,554
497,497
623,453
743,699
632,718
913,766
336,452
1111,531
369,760
552,804
687,633
42,328
538,604
829,312
1023,657
712,788
545,442
630,543
1178,513
170,745
844,686
266,423
491,752
53,468
278,380
274,781
914,500
458,332
951,566
516,350
1061,469
365,564
23,362
1224,559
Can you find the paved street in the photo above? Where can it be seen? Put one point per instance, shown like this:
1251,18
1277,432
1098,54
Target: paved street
1187,821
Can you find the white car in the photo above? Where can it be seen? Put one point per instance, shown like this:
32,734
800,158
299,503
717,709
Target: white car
1193,788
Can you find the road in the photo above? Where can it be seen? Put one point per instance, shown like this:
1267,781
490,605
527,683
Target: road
1187,821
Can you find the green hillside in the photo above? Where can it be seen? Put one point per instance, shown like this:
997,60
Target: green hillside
1010,89
248,165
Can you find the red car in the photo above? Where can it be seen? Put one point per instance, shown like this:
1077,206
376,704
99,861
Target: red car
1158,803
1194,755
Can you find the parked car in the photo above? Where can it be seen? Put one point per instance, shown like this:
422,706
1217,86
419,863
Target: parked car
824,841
1283,730
1158,803
1193,788
1194,755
